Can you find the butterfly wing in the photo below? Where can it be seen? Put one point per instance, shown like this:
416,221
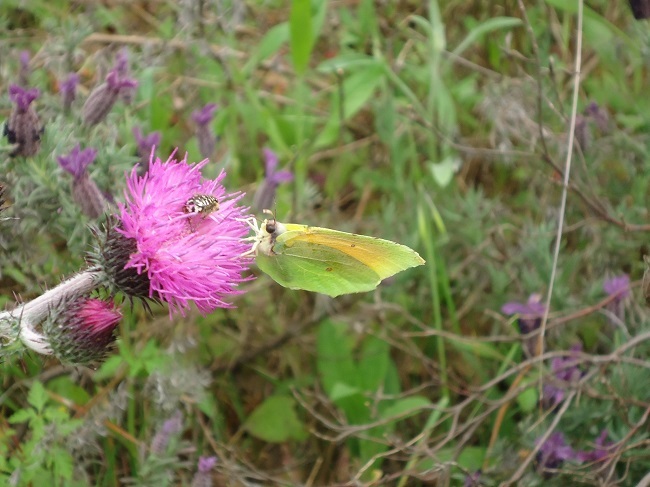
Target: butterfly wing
384,257
317,268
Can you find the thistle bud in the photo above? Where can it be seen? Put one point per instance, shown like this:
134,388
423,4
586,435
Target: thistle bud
81,331
103,97
84,190
202,118
23,127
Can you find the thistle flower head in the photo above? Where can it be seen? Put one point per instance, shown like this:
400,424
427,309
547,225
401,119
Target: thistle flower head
77,160
186,256
204,115
80,331
23,97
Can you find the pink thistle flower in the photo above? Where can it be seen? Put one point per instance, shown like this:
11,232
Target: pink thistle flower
81,331
186,256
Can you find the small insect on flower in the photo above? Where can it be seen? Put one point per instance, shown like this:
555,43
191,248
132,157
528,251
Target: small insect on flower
202,203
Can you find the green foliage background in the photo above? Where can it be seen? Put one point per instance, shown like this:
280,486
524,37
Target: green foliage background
441,125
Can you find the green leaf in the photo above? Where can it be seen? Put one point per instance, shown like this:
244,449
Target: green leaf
300,34
37,396
528,399
109,368
63,465
21,416
373,363
334,356
340,391
276,421
404,408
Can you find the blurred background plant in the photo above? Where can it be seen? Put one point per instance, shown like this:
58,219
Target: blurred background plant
441,125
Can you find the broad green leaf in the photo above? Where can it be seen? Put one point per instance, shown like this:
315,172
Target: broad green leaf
334,356
276,421
37,396
341,391
528,399
357,89
490,25
300,34
21,416
109,368
268,45
64,386
373,363
404,408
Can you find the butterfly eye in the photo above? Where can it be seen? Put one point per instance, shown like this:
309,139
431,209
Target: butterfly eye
271,227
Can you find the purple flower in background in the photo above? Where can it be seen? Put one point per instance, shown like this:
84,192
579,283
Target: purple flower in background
23,76
202,118
619,288
599,453
170,428
185,257
23,127
68,90
23,97
77,160
473,480
565,369
202,478
145,144
123,70
529,318
554,452
81,331
265,194
530,313
84,190
103,97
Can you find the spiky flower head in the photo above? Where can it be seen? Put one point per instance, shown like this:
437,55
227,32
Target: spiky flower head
84,190
186,256
207,140
80,331
23,127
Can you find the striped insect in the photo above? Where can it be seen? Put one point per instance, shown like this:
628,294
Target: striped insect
202,204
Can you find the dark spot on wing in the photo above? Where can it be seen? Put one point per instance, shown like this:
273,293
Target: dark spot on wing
329,269
353,245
